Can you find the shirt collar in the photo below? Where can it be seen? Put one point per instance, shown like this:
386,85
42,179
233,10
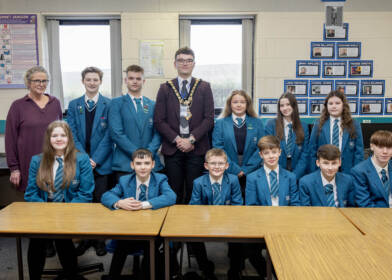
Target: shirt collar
189,79
134,97
138,182
325,181
333,119
378,168
285,122
268,170
219,181
234,116
95,98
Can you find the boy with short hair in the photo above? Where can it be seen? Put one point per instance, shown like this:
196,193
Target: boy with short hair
372,177
270,185
143,189
216,188
327,186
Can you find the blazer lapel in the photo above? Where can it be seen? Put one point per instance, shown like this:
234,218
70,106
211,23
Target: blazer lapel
319,187
152,188
264,186
208,190
131,107
146,108
283,187
327,131
374,177
339,190
82,117
101,104
250,129
344,138
226,192
176,107
131,190
230,130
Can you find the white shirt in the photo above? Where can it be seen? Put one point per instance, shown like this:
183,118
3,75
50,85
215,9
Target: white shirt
188,84
134,102
95,98
145,204
286,128
378,169
333,183
234,117
274,200
331,124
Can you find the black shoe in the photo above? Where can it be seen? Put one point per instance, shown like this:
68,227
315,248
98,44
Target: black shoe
100,248
50,250
82,247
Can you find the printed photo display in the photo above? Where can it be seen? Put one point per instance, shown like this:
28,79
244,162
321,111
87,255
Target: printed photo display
362,68
347,50
335,33
372,87
308,68
302,106
320,87
316,106
296,87
388,106
353,104
321,50
267,106
349,87
334,69
371,106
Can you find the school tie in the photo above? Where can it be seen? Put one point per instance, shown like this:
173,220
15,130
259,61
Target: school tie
90,105
385,181
58,195
274,183
184,91
289,143
139,107
142,194
329,194
239,121
217,194
335,133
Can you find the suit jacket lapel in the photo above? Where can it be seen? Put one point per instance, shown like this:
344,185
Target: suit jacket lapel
208,190
374,177
132,182
225,188
101,104
229,128
319,187
250,128
152,188
327,131
176,107
131,107
82,117
264,186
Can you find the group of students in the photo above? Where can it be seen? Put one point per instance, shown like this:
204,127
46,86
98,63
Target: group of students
279,165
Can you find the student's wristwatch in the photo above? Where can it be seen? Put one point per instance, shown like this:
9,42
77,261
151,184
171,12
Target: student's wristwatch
192,139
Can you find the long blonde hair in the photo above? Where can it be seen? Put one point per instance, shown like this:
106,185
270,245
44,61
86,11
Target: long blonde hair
249,106
44,179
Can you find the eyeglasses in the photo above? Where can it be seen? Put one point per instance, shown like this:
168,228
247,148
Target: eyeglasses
40,81
184,61
218,164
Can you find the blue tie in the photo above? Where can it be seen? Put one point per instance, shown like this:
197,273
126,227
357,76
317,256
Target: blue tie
58,195
142,194
90,105
289,143
239,121
385,181
335,133
274,183
139,107
217,194
184,91
329,194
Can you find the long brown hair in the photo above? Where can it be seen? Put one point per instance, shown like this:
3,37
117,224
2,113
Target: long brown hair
297,126
347,121
249,105
45,172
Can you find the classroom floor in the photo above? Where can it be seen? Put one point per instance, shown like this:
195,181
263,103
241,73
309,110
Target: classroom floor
217,252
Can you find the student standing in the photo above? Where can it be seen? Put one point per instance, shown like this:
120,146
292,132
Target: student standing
293,135
59,174
372,177
87,117
131,124
327,187
237,132
337,127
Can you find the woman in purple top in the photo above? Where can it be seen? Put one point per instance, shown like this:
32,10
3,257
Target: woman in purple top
27,121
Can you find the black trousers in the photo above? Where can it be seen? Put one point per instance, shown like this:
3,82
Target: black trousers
118,174
103,183
181,170
36,256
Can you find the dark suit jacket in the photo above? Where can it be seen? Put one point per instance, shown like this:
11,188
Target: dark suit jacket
167,116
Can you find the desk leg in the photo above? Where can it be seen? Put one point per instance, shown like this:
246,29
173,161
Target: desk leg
152,259
269,265
20,260
167,259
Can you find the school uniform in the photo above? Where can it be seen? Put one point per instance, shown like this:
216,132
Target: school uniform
351,149
225,191
79,190
157,194
89,125
370,190
315,190
295,154
131,129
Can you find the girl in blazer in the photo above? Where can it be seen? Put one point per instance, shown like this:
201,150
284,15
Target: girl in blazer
237,132
293,135
59,174
337,127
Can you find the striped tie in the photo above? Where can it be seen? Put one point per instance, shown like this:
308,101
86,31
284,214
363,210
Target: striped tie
217,194
385,181
184,91
139,107
335,133
142,194
90,105
329,194
274,183
58,195
290,140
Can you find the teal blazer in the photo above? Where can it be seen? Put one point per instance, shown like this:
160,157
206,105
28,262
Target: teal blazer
223,137
80,189
101,146
130,133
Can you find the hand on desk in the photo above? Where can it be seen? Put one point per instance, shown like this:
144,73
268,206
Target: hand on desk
129,204
15,178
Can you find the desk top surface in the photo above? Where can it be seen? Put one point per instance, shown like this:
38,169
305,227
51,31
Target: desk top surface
24,218
252,221
370,221
329,257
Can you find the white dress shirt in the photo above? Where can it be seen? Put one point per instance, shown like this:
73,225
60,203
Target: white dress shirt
333,183
274,200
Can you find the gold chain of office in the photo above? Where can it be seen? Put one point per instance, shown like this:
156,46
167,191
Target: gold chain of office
188,101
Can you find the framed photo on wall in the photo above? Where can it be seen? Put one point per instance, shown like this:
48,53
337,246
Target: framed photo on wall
370,106
388,106
348,50
349,87
267,106
322,50
333,33
316,106
320,87
360,68
308,68
373,88
334,69
296,87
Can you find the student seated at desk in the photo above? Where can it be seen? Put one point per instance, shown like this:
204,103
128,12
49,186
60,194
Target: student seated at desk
372,177
270,185
327,186
143,189
59,174
217,188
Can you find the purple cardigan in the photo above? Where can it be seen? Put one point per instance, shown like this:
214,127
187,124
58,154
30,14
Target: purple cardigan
25,130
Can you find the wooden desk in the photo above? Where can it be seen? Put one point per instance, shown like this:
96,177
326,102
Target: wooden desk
248,223
329,257
81,220
371,221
